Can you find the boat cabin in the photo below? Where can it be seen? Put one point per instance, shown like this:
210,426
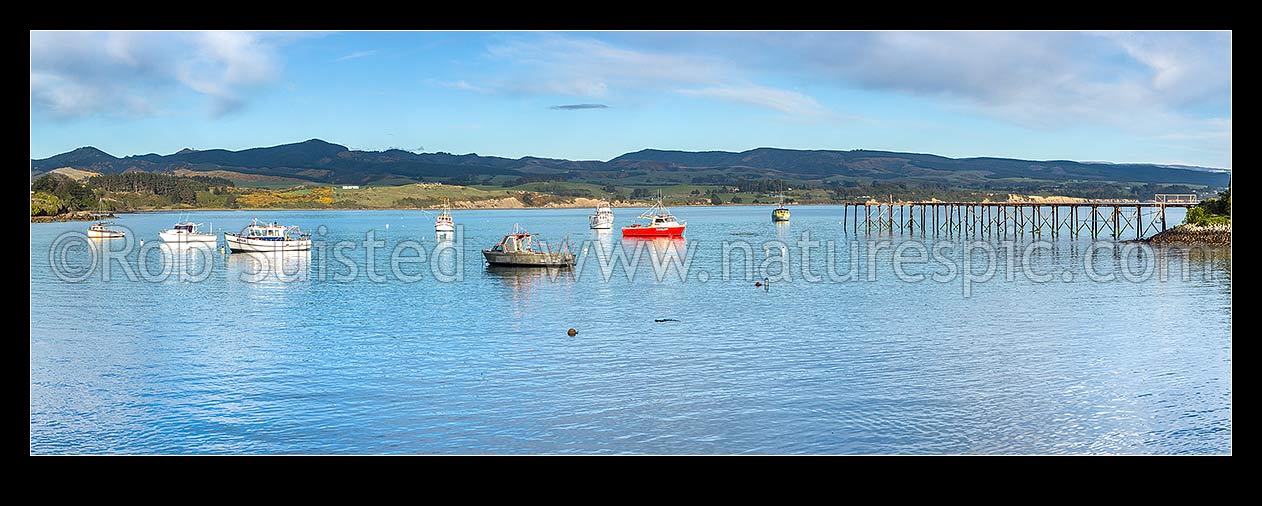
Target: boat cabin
270,232
265,231
515,242
663,219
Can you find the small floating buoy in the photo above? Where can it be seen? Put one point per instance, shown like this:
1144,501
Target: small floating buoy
757,283
142,242
571,332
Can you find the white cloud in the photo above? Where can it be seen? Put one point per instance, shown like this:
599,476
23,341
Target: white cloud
1185,67
462,85
356,54
789,102
595,69
597,65
77,74
1037,79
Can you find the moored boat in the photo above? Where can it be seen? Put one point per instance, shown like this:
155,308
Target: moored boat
602,219
518,249
661,223
780,213
444,222
268,237
101,230
186,232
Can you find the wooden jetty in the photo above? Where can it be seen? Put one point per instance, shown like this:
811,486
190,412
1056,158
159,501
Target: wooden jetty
1015,219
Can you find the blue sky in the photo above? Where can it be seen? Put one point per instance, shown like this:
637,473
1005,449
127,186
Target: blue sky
1161,97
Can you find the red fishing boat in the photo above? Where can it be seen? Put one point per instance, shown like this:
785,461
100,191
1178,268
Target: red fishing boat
661,224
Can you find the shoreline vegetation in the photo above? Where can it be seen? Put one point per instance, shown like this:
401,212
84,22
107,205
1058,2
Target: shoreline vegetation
58,196
1207,224
71,216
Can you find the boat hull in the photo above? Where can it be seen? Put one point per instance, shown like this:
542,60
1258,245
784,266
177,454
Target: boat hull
519,259
602,225
780,215
653,231
183,238
97,234
444,227
236,243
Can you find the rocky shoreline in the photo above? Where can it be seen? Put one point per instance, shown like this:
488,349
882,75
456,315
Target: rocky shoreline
1194,235
71,216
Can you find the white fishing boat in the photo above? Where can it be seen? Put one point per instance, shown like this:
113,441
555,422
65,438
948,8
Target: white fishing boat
185,232
602,219
268,237
444,222
102,230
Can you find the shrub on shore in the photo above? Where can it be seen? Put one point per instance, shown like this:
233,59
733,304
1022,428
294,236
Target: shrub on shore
1211,211
46,204
1199,216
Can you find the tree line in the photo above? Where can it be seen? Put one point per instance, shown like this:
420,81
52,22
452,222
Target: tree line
55,194
181,190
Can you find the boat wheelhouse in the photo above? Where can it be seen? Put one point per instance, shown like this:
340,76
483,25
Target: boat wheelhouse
186,232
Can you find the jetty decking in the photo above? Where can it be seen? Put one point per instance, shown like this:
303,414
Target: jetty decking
1011,219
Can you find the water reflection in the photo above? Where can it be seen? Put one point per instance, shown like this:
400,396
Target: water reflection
529,274
188,261
600,238
261,266
524,279
657,243
848,365
782,231
663,250
102,244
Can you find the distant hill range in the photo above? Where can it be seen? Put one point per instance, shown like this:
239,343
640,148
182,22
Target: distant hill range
319,161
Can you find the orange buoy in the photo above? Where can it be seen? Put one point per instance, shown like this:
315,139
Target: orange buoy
572,332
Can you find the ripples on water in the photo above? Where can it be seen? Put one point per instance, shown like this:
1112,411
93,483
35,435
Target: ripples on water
484,365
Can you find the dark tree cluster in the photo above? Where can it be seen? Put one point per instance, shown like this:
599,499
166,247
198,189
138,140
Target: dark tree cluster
181,190
536,178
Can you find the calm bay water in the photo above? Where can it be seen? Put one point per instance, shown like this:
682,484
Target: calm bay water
484,365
